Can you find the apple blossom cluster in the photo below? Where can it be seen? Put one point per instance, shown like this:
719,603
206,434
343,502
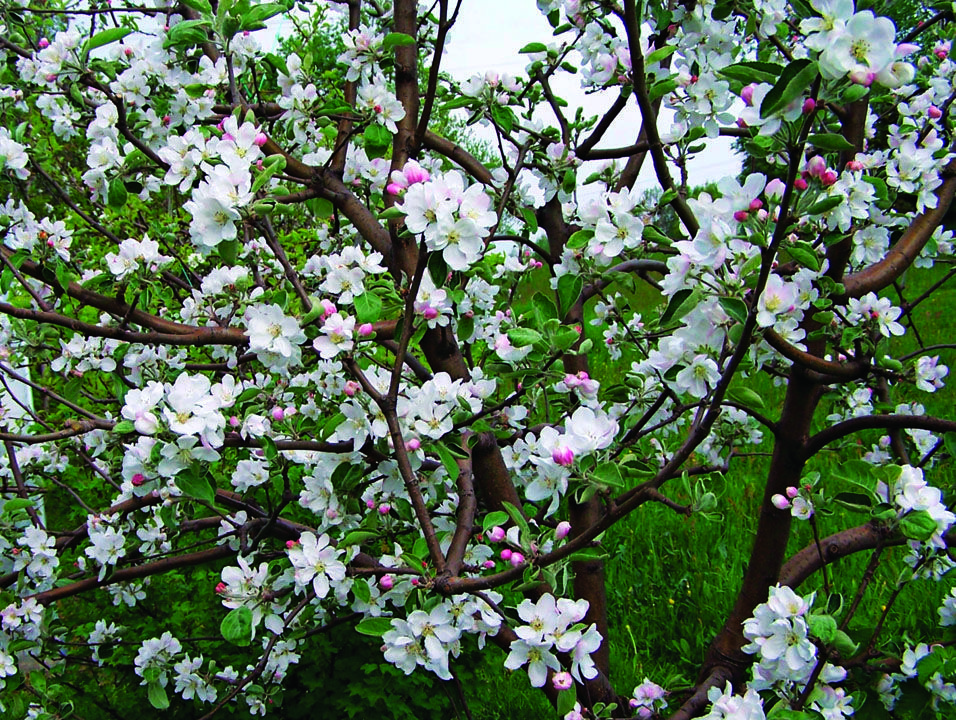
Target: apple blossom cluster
938,683
452,219
553,626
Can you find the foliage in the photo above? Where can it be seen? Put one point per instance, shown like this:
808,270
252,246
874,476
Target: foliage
310,369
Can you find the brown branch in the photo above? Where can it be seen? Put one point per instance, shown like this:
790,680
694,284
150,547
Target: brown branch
839,545
899,257
869,422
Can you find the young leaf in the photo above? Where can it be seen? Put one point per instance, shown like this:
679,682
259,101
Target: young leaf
236,627
794,80
374,626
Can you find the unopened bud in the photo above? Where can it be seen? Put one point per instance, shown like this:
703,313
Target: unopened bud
563,530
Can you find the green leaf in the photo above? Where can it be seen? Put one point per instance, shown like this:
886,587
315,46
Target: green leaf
196,487
795,78
918,525
277,63
200,6
661,88
681,303
361,590
544,308
157,696
746,397
652,234
530,220
533,47
750,72
269,448
116,193
830,142
377,137
608,474
188,33
368,307
105,37
588,555
660,54
236,627
393,213
229,251
823,627
356,537
859,502
14,504
497,517
521,337
374,626
566,700
256,17
124,426
844,644
735,308
569,290
517,517
448,460
579,239
396,39
504,117
825,205
803,253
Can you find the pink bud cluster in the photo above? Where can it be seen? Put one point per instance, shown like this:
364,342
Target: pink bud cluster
409,175
816,167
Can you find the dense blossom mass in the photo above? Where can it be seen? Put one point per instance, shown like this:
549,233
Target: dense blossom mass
275,324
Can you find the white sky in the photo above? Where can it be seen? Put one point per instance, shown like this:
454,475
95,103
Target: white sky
489,34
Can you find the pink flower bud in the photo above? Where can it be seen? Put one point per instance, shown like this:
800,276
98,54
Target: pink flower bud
429,313
941,53
234,422
563,456
762,215
366,330
415,173
328,309
496,534
562,681
740,215
516,559
780,502
854,165
756,204
370,504
384,509
261,139
816,166
809,105
220,588
413,444
934,112
394,189
44,43
278,414
291,543
563,530
862,77
800,184
747,94
488,564
386,582
128,52
506,554
351,388
774,189
415,581
138,479
829,178
792,492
